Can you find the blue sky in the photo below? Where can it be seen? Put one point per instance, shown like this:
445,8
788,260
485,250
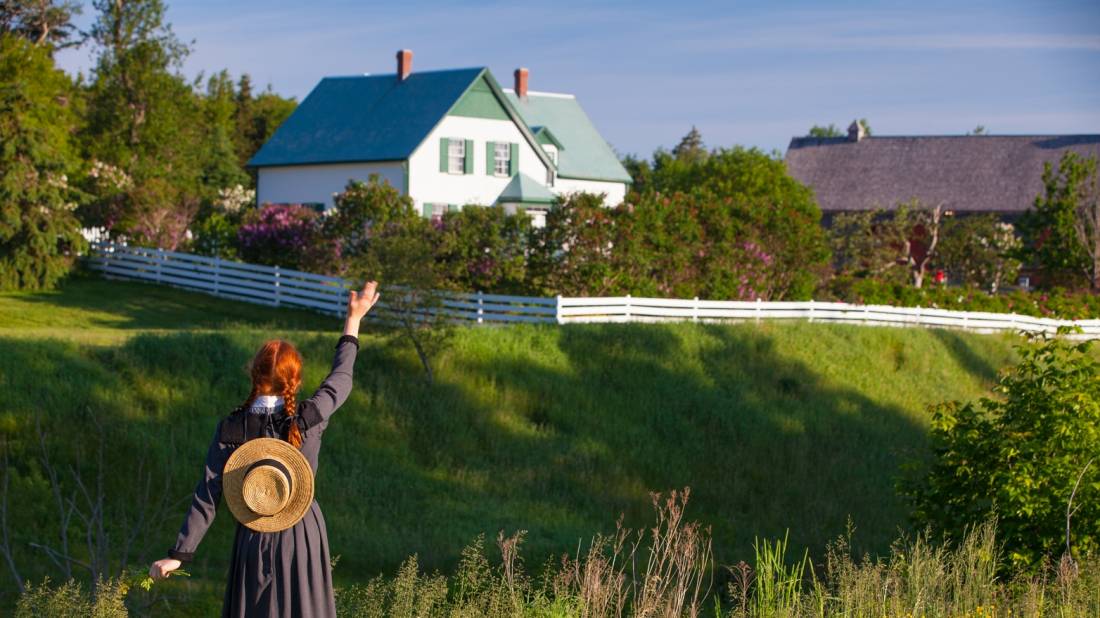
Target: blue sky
749,73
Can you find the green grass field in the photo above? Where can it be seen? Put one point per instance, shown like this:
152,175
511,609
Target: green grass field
554,430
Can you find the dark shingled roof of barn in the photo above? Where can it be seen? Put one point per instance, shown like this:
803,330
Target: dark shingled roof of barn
965,173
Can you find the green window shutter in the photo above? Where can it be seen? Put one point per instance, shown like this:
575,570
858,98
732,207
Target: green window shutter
452,207
490,158
469,158
443,146
513,161
427,208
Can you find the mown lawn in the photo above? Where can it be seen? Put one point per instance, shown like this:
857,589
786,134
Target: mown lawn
553,430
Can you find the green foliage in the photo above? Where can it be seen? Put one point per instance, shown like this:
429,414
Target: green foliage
572,253
257,117
979,251
216,234
221,167
359,210
70,600
892,245
1054,303
39,234
145,120
829,131
1048,229
485,248
41,22
1019,457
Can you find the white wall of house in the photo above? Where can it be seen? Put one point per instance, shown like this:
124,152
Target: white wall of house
295,184
616,191
427,185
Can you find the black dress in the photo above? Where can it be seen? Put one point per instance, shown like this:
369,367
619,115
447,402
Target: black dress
273,574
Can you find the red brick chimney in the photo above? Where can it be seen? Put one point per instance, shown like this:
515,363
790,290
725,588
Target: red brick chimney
404,64
521,83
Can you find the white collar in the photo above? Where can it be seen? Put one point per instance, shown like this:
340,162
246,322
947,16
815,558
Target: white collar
267,401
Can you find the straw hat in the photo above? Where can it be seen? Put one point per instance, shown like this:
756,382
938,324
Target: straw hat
268,484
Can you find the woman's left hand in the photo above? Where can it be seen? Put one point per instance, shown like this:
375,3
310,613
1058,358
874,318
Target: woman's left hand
161,568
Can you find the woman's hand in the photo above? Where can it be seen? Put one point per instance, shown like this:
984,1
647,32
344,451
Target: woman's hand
359,303
161,568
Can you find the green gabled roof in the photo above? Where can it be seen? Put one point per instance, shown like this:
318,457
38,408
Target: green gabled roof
523,188
584,153
377,118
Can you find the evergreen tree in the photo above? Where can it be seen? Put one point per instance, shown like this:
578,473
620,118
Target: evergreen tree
222,169
691,147
39,234
145,121
42,22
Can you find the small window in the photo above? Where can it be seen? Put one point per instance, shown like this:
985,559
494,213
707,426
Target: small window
456,156
549,177
553,154
502,158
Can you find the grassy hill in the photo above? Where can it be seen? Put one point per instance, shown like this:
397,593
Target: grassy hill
553,430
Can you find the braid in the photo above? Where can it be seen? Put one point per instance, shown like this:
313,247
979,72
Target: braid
255,392
293,435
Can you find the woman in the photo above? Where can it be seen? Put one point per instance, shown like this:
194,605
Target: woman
283,573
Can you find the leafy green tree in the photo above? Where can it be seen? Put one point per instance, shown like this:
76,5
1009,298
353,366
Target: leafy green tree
1026,456
893,245
829,131
221,169
145,121
39,234
691,147
572,253
1049,229
42,22
979,250
485,248
257,117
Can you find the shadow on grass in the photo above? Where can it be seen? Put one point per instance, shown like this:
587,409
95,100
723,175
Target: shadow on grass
103,303
555,430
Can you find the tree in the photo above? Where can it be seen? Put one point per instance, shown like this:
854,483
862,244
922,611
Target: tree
829,131
42,22
691,147
866,126
979,250
39,234
257,117
978,130
897,244
1020,455
572,253
221,168
485,248
145,121
1058,237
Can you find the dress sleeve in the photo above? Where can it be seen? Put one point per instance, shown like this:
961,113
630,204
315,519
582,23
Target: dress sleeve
204,504
336,387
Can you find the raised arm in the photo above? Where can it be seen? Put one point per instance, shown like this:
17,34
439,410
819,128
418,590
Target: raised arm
336,387
200,515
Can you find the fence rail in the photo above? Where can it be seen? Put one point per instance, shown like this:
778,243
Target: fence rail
274,286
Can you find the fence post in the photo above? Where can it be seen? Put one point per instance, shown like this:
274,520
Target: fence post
811,310
276,286
480,307
217,277
160,258
758,301
627,308
557,310
695,309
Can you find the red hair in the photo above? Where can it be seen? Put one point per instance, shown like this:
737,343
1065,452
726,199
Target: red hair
277,370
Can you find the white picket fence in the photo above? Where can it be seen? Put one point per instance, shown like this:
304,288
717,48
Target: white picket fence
274,286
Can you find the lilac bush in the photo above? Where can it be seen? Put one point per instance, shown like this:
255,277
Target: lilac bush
279,235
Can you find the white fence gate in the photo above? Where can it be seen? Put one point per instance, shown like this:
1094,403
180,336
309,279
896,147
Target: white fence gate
271,285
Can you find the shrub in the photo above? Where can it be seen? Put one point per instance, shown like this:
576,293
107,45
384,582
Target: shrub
1026,456
279,235
484,248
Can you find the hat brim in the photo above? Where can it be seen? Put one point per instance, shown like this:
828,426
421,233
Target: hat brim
301,483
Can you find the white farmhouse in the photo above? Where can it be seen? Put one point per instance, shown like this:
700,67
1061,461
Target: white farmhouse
444,138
